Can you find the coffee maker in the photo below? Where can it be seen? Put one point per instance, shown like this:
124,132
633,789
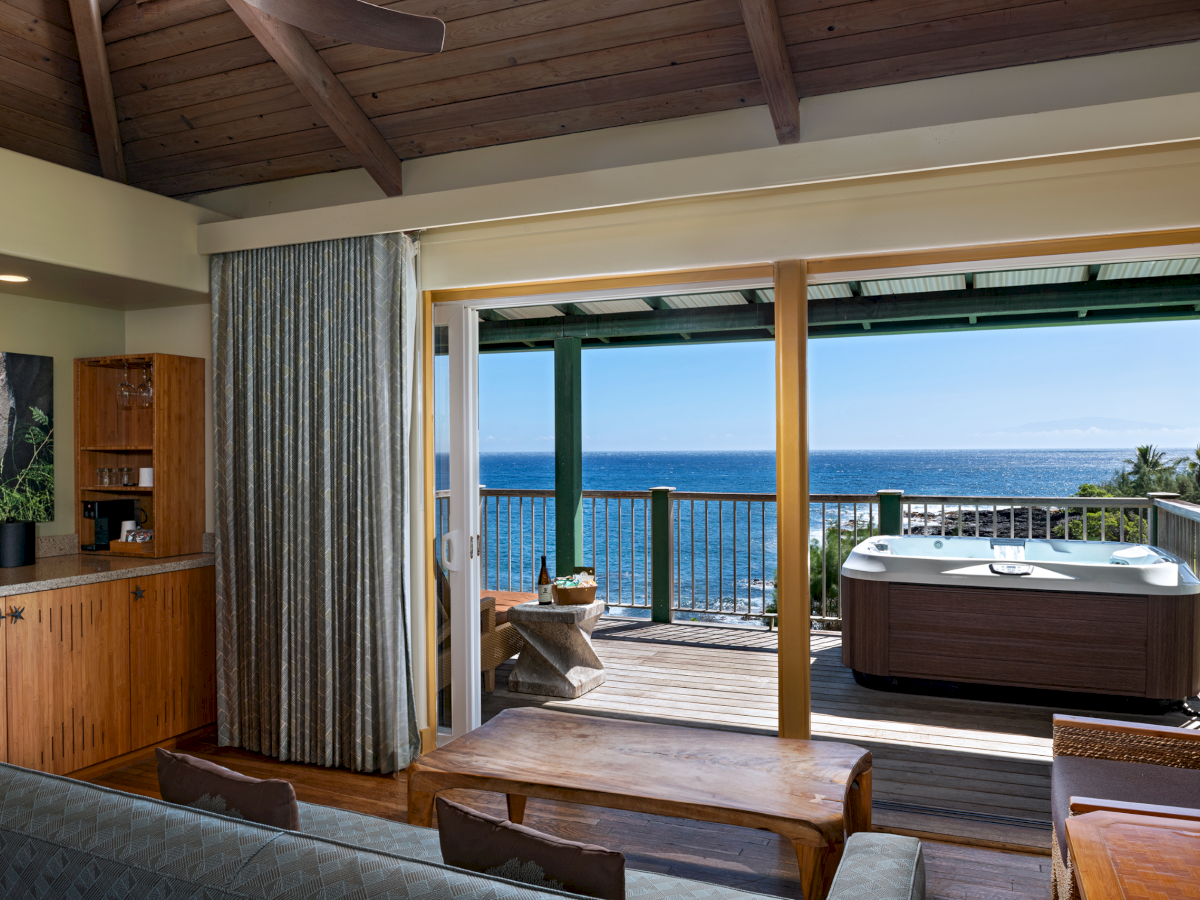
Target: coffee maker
108,515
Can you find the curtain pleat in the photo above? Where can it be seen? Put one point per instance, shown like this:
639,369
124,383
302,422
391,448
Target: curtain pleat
311,385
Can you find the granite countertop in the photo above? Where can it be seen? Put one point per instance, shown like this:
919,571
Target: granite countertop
56,572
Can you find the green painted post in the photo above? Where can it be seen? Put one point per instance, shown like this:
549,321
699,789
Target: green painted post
891,519
1157,495
662,554
568,455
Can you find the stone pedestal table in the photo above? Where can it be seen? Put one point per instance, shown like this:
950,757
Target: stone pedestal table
558,658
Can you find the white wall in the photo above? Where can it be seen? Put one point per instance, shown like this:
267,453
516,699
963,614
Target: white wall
90,240
183,331
65,331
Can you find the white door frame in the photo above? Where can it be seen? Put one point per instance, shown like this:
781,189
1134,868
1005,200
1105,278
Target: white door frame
463,537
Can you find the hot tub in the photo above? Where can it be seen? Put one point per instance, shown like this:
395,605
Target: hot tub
1096,617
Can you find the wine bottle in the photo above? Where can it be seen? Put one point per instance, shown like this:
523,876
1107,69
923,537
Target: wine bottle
545,595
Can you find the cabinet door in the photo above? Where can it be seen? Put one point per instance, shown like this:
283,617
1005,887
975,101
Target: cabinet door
172,654
68,677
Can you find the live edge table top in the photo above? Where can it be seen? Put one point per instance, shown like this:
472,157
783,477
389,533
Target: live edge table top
797,789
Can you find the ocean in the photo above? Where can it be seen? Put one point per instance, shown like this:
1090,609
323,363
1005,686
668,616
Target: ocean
986,473
725,552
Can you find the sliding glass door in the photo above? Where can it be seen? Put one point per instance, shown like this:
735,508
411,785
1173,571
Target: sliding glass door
457,547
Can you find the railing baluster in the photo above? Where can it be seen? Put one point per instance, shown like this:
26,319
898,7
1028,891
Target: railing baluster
763,522
824,560
749,553
706,550
720,554
607,582
621,551
733,531
692,538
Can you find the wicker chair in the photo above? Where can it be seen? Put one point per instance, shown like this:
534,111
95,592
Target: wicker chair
1125,763
498,642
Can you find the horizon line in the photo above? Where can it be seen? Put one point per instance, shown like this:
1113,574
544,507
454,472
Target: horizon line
854,450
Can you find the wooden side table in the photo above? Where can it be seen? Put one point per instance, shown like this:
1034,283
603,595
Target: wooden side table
1122,855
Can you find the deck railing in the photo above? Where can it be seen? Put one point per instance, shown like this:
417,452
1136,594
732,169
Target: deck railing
1178,529
723,544
1070,518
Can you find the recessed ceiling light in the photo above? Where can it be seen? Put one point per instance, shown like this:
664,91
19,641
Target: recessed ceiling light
17,279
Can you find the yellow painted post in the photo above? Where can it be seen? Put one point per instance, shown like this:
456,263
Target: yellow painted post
791,491
429,733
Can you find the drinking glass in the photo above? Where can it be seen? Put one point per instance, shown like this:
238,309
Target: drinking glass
125,478
125,392
145,390
103,476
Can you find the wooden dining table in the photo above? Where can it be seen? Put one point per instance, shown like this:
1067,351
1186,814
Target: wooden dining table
813,793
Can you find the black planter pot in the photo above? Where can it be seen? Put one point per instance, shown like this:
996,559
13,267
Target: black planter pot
17,542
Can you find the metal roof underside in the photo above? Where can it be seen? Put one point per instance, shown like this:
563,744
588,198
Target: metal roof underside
1027,298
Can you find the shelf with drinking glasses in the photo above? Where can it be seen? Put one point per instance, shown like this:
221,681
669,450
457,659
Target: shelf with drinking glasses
139,456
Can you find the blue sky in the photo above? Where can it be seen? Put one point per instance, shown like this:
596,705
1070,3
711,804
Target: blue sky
1083,386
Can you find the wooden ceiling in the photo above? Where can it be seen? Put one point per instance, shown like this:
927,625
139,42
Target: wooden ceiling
197,102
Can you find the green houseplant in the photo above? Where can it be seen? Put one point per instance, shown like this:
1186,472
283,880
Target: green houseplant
28,496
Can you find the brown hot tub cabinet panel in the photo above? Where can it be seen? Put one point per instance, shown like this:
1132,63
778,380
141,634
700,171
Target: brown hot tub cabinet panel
1142,646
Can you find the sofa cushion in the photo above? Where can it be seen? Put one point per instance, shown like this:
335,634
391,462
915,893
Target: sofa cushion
423,843
190,781
57,834
879,866
1108,779
102,828
482,843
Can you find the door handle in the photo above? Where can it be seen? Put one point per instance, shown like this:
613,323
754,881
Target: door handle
138,592
450,550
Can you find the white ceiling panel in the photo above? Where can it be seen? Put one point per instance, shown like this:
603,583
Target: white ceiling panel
528,312
1020,277
1157,268
889,286
602,307
696,301
828,291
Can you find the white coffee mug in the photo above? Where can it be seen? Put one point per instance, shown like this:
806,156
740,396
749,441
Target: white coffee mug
127,526
145,478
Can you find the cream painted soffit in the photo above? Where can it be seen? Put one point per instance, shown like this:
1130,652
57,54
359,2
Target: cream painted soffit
1114,126
84,239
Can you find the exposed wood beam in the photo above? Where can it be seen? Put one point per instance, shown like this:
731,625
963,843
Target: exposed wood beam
296,56
106,7
93,60
774,67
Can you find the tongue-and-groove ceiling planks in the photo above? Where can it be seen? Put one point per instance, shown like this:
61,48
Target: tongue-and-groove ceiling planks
202,105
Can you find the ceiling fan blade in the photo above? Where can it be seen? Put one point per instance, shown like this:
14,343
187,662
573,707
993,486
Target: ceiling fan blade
358,22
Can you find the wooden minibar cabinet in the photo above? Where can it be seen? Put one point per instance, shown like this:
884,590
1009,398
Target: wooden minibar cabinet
167,437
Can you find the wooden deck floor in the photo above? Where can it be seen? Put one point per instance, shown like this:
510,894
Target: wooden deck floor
970,769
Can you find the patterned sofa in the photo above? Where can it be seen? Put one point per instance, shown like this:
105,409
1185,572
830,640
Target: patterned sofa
61,838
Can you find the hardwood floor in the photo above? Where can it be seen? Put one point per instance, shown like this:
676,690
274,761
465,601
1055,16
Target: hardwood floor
971,777
739,857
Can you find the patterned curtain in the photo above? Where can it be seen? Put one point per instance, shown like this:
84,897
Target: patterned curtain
312,361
